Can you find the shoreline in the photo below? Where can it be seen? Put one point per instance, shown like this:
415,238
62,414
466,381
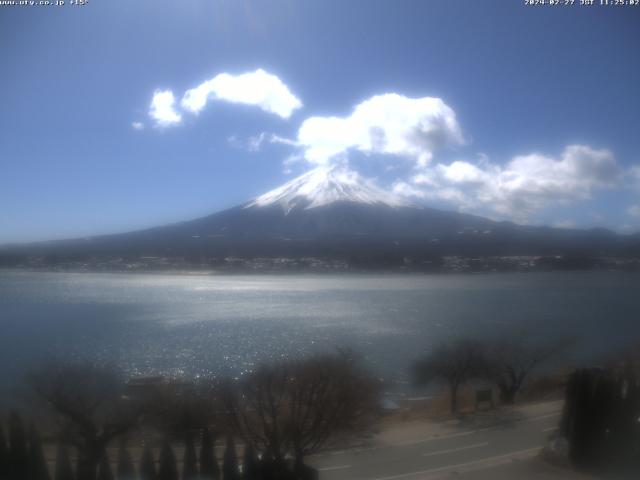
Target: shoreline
260,271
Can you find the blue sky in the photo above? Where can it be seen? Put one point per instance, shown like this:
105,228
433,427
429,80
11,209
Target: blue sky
492,107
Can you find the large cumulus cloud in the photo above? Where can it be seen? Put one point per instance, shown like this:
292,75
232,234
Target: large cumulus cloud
257,88
386,124
523,185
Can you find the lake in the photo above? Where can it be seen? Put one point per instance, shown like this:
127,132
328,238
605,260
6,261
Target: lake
202,324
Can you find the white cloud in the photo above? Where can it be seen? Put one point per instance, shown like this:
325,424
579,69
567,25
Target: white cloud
290,162
235,142
137,125
258,88
525,184
408,190
464,172
162,109
256,142
388,124
634,210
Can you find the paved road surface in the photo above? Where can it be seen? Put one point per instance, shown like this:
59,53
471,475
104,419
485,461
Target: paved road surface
490,452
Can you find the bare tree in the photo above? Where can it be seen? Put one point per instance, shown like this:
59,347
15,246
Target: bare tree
328,396
510,361
91,408
454,363
296,407
256,410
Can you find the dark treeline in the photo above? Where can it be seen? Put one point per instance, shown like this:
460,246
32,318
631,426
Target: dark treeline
22,458
100,426
357,261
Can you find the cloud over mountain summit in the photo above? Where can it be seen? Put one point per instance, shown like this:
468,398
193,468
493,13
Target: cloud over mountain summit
406,135
385,124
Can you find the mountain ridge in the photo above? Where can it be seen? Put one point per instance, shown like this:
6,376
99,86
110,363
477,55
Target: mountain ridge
334,212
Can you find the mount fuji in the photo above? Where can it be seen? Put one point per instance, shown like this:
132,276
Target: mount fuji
324,186
335,212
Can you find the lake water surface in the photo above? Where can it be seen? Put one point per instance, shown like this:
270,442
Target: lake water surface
225,324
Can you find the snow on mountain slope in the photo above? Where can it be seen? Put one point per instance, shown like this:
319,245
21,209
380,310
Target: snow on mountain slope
323,186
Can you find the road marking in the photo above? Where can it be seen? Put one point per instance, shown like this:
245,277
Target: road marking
451,450
432,438
483,462
541,417
550,429
339,467
397,444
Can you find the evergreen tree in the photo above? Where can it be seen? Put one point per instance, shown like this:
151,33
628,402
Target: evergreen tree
63,469
104,468
603,398
168,469
190,460
250,464
209,469
147,465
4,454
18,451
600,421
126,468
81,470
38,469
230,463
580,388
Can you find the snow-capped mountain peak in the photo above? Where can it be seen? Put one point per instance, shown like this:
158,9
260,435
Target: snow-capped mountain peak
326,185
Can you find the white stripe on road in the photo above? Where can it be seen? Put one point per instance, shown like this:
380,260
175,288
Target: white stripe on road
339,467
458,449
396,444
483,462
550,429
433,438
541,417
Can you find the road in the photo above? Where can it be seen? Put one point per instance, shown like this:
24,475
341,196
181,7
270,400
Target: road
496,450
